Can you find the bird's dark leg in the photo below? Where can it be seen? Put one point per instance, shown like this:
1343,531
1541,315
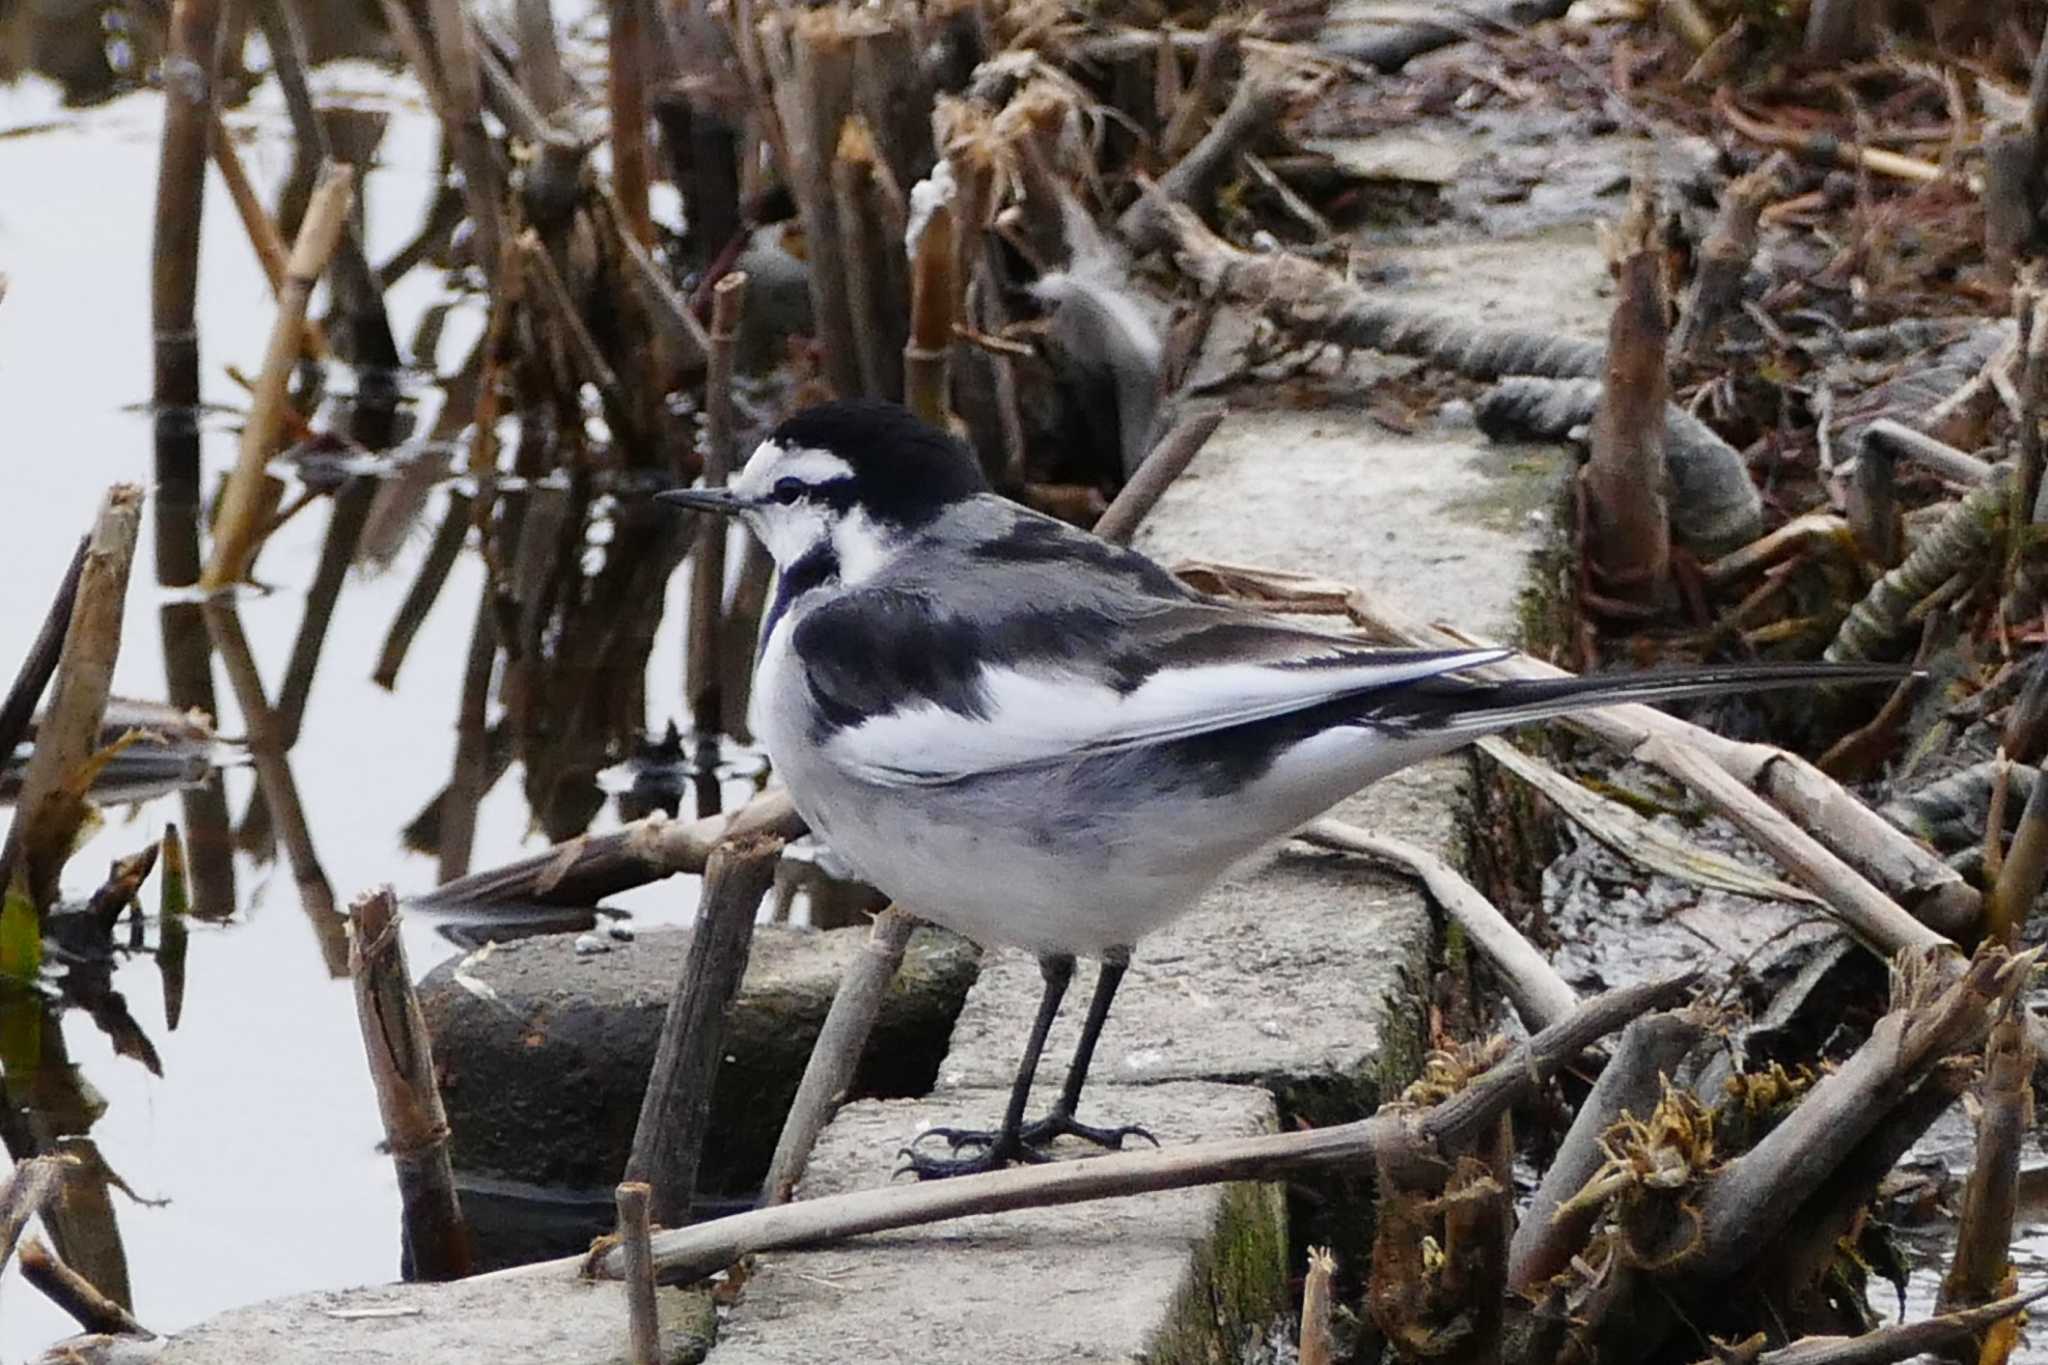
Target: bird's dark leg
1005,1145
1060,1122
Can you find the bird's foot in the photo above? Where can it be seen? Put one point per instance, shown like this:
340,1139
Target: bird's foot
995,1153
1038,1135
1058,1124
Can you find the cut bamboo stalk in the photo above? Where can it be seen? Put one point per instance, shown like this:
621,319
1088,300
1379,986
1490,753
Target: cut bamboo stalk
1627,532
689,1253
462,88
701,666
237,527
192,52
52,805
29,1186
1632,1082
356,286
401,1057
1317,1345
1175,451
75,1294
1541,997
1942,458
866,250
1852,831
810,68
425,589
1980,1268
835,1057
632,162
32,679
1724,258
540,56
270,249
676,1110
933,298
466,785
279,790
643,1322
593,866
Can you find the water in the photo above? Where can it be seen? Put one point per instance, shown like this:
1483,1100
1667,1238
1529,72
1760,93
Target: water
262,1133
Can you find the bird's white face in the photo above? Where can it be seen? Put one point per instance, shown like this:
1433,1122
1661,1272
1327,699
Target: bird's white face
797,500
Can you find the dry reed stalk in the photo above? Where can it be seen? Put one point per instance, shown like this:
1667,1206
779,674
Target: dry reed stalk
2016,876
345,523
278,789
357,289
933,298
270,249
425,589
39,665
470,779
1724,258
643,1321
1221,45
1855,833
1175,451
1890,1345
460,84
1627,533
1553,1230
1944,459
809,61
75,1294
740,637
835,1057
1541,997
1873,507
1936,1013
701,665
688,1253
671,311
676,1109
585,870
540,56
52,805
632,161
237,527
28,1186
401,1057
1317,1345
867,250
1980,1269
1255,107
191,68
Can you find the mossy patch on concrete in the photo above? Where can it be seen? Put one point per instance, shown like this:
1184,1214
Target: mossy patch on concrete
1236,1281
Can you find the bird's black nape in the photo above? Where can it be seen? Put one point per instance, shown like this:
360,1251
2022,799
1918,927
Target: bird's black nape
906,471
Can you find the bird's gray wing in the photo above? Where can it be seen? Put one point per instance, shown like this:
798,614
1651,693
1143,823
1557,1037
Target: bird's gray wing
922,683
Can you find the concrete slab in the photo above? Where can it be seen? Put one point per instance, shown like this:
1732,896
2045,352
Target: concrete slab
555,1321
1171,1278
544,1053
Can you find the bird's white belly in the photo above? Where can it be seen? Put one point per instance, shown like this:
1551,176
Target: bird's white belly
1043,859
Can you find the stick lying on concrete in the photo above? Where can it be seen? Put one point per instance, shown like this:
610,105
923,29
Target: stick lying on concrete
688,1253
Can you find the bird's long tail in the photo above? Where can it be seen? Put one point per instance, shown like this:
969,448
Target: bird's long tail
1466,707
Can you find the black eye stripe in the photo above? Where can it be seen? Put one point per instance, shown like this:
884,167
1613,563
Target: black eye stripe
838,494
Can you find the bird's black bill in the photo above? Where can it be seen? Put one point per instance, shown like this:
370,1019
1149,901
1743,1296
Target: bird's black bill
720,500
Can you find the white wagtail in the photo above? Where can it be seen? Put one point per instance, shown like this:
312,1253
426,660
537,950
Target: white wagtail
1036,737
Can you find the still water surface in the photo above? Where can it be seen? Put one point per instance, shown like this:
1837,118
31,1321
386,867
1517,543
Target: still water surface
262,1133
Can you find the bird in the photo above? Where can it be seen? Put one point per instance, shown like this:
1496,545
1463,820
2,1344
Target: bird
1035,737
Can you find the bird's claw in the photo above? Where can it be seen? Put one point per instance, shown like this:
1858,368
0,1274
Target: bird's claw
992,1157
1030,1141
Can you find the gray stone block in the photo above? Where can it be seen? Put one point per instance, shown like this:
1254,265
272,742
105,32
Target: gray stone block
544,1054
555,1321
1173,1277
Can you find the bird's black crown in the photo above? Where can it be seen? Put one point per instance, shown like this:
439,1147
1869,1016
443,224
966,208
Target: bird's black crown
905,470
